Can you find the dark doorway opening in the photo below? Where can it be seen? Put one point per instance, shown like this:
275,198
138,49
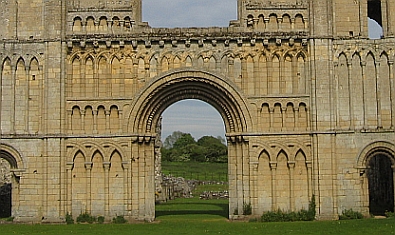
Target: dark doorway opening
5,201
381,185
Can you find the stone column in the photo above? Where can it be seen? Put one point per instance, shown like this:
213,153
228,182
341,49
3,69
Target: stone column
271,114
96,23
69,190
364,182
266,21
307,118
232,171
350,101
83,22
291,166
95,113
283,116
254,185
293,24
378,95
135,177
109,26
120,117
363,68
273,168
88,170
107,113
309,166
82,121
392,92
106,166
69,121
27,72
13,75
244,75
127,186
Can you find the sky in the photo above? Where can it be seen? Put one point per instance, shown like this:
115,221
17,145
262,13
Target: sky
193,116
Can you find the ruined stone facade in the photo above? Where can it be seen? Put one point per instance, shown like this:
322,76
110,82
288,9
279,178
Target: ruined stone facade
307,101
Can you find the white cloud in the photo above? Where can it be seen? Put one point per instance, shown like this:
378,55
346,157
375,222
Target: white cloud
189,13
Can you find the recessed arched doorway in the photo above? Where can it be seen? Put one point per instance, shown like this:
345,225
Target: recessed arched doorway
5,189
166,90
11,169
381,183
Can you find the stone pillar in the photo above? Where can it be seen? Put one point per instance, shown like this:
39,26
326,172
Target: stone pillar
364,121
27,88
107,113
273,168
350,102
13,75
296,119
232,171
120,117
378,95
291,166
271,114
392,92
127,186
82,121
283,116
95,113
69,191
69,121
88,170
106,166
308,118
309,178
364,182
254,185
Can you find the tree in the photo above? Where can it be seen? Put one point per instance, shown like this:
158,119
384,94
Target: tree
214,149
185,148
171,139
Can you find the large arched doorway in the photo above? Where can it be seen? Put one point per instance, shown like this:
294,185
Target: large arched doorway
11,168
5,189
381,183
164,91
193,162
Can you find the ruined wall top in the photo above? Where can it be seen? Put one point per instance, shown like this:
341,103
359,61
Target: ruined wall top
101,4
51,19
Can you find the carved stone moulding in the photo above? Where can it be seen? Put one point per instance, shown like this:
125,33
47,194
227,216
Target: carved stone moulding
187,42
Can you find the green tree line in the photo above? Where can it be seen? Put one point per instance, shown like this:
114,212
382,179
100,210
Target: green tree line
182,147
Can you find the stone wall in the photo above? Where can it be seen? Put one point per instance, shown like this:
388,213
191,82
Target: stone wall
306,98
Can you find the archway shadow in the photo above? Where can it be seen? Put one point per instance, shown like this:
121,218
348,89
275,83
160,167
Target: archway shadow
186,207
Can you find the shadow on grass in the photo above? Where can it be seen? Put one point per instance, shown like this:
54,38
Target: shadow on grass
192,207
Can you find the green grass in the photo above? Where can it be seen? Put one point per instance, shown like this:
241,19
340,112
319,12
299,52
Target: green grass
209,225
197,217
193,209
197,170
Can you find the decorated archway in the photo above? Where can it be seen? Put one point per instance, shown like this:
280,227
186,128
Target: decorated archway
11,167
178,85
377,164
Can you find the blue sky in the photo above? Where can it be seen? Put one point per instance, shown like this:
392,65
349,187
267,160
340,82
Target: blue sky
189,13
192,116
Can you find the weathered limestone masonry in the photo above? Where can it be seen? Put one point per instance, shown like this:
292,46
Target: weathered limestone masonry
307,101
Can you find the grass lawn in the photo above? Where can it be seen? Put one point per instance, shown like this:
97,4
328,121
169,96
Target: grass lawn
191,225
197,170
197,217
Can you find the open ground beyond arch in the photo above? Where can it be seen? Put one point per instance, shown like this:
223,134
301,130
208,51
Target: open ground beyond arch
307,100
